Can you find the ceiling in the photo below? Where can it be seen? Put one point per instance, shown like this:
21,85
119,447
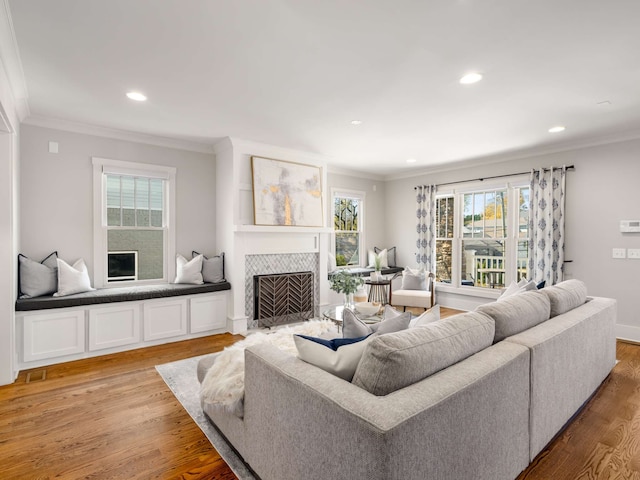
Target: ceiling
296,73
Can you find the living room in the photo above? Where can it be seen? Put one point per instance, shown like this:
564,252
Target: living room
46,169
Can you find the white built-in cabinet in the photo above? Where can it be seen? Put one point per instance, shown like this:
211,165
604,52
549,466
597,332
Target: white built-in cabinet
63,334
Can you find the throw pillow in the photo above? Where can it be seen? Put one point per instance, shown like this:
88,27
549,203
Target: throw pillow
384,262
189,271
340,358
414,279
212,267
72,278
512,289
37,279
352,326
430,316
391,255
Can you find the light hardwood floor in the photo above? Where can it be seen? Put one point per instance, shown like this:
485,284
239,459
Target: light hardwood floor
114,417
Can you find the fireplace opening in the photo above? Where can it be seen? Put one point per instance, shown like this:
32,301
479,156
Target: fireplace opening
283,298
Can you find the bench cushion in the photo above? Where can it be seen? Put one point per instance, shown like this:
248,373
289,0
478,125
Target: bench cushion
119,294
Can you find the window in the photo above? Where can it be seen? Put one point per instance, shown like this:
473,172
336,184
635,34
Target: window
347,225
444,238
480,240
134,235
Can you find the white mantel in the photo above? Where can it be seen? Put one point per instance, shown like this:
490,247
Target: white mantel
238,237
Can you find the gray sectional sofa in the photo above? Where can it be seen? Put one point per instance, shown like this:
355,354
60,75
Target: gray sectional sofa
474,396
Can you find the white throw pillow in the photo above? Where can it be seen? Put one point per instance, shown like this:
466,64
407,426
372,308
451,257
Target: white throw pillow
430,316
353,327
341,362
414,279
384,263
72,278
189,271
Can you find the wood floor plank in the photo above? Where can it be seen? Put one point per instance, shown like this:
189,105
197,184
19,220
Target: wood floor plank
114,417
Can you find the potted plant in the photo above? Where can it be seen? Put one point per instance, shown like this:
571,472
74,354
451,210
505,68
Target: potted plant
346,283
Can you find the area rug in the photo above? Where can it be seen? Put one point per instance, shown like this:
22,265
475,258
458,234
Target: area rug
182,379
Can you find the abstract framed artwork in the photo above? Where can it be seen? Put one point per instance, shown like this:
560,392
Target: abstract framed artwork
286,193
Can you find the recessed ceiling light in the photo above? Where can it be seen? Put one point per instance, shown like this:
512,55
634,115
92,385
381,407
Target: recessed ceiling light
356,122
469,78
137,96
556,129
411,160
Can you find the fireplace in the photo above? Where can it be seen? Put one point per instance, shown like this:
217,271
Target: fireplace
283,298
273,264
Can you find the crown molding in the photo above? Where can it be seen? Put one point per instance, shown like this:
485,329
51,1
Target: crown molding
355,173
113,133
10,56
520,154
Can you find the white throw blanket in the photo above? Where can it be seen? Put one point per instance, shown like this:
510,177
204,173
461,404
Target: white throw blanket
223,385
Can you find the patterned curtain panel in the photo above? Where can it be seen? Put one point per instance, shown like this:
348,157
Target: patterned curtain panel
546,225
425,211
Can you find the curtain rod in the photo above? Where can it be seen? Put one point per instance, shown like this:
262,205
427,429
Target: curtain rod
569,167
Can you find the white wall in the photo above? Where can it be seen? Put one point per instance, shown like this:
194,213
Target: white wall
601,191
57,196
9,172
375,233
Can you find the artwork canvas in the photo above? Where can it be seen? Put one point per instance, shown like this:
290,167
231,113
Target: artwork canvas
286,193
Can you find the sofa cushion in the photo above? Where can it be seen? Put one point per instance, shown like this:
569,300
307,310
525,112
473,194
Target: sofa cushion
517,313
393,361
565,296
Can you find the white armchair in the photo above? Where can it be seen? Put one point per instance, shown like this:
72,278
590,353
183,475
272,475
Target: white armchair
408,295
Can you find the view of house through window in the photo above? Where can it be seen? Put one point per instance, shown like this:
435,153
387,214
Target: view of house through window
347,211
493,239
135,228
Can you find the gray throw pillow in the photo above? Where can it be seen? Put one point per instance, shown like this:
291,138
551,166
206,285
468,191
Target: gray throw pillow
38,279
212,268
353,327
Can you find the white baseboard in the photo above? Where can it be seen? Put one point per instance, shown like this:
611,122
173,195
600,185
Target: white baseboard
628,332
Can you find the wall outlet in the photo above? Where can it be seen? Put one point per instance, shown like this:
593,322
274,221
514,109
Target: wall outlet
619,253
633,253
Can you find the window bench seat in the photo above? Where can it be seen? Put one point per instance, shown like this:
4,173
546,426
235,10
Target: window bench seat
119,294
53,330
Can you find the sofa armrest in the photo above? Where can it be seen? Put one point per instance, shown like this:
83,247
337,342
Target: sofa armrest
303,422
571,354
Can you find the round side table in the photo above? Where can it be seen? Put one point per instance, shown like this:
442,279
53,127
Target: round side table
378,291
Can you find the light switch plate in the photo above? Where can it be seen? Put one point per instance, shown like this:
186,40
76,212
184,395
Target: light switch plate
633,253
619,253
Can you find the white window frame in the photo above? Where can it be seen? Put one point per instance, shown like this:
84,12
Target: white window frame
102,166
361,197
511,250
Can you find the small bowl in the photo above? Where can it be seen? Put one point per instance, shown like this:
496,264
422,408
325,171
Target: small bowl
367,308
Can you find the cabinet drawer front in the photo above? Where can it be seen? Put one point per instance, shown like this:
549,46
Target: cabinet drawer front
165,319
208,313
51,335
114,326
